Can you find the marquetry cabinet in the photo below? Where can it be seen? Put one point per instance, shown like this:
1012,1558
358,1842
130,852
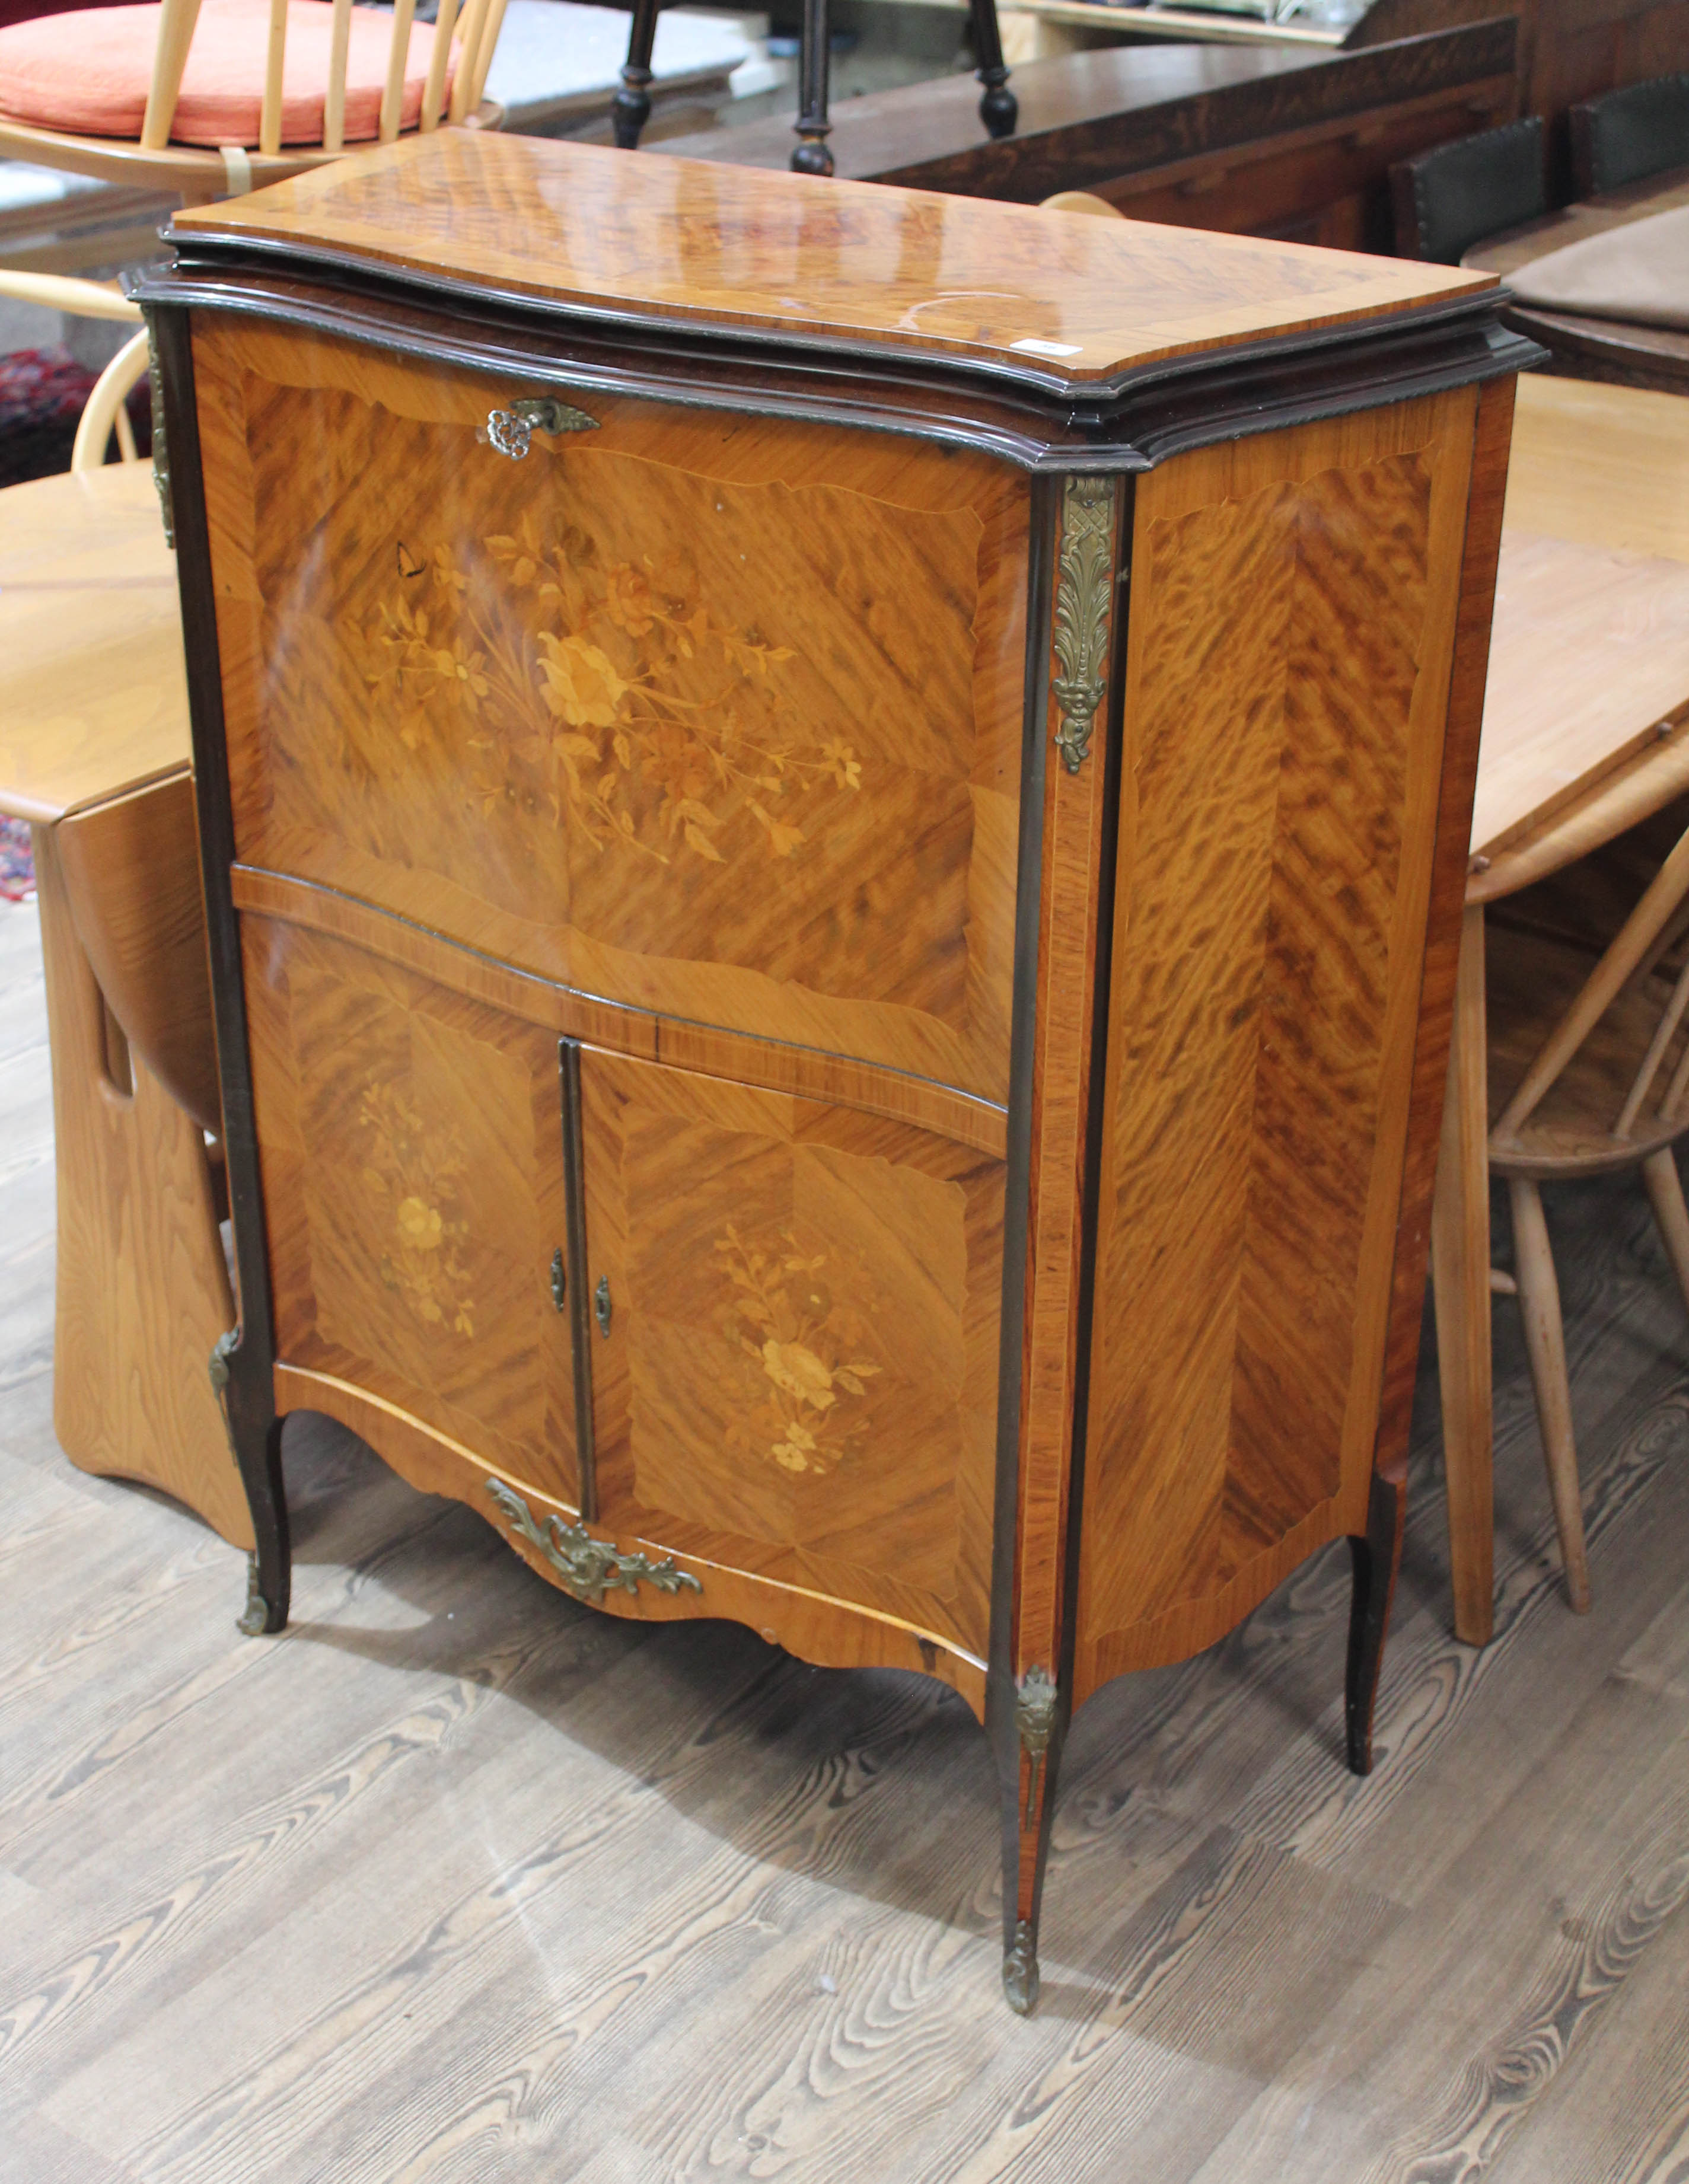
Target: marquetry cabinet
833,825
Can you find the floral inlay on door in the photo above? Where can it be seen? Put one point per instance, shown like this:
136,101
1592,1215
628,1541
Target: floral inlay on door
610,690
799,1324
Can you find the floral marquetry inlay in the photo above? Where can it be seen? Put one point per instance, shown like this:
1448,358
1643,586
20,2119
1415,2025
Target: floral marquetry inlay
799,1322
570,682
416,1181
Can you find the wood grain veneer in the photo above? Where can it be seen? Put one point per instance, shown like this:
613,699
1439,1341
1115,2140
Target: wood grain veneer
840,976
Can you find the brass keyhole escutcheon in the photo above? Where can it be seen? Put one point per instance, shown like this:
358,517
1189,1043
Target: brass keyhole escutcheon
601,1304
559,1281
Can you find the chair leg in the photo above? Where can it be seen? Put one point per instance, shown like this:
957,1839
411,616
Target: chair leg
631,108
1539,1297
1460,1279
1666,1195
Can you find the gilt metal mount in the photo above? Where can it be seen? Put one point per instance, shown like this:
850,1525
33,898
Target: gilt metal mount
1020,1970
1084,587
510,431
588,1568
1034,1726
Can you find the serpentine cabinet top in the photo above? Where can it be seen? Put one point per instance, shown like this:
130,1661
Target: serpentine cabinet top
1054,298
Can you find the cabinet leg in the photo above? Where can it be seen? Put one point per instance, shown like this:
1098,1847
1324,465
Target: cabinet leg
1376,1557
999,108
631,108
255,1432
1028,1739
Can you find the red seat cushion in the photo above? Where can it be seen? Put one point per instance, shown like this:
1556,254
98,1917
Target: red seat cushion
87,73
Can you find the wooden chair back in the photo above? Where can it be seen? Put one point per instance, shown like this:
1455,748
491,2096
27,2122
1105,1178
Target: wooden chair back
1646,1115
474,25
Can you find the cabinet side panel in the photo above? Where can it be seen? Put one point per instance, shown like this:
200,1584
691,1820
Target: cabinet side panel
713,716
1288,674
413,1164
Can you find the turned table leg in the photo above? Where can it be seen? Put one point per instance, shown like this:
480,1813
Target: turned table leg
631,108
810,155
1460,1275
999,108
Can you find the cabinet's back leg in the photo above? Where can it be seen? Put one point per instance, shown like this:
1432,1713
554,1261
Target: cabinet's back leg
1376,1557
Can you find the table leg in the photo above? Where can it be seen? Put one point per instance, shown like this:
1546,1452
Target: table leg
1460,1273
810,155
631,108
999,108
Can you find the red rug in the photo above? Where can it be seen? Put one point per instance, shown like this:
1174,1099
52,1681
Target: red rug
17,866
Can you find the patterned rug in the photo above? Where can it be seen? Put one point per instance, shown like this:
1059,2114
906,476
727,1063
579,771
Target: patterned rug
17,866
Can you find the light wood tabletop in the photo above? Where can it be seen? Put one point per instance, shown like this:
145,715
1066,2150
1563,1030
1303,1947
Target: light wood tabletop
1589,653
1585,734
88,709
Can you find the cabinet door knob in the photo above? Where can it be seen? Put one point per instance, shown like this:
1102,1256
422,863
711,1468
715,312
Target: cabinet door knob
559,1281
509,430
601,1304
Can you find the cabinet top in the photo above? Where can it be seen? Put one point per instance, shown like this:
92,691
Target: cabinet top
622,235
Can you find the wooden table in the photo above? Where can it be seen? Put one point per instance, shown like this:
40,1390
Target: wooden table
1586,732
1595,348
94,752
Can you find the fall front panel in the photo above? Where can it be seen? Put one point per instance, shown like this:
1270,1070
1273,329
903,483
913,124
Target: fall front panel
412,1148
715,715
795,1363
1288,666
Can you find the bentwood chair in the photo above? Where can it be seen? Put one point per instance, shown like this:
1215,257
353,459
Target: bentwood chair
1451,197
94,755
1628,135
209,98
1586,976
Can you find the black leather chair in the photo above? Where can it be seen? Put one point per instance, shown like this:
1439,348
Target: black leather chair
1446,200
1629,134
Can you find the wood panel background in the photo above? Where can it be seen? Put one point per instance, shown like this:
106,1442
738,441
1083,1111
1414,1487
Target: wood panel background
1288,665
609,715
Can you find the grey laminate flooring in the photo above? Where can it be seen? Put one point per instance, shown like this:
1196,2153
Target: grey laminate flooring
459,1881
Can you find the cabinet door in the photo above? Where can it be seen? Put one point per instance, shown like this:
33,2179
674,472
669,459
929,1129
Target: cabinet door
413,1161
795,1366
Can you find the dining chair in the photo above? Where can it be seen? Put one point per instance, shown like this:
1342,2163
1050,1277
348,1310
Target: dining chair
1586,995
94,755
1456,195
1628,134
209,98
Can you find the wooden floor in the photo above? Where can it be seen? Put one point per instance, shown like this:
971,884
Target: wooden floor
459,1881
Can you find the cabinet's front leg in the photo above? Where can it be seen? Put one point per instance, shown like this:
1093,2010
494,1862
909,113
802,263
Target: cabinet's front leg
1028,1727
245,1383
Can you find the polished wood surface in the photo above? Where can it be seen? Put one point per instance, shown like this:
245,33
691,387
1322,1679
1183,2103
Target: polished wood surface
727,247
1278,841
630,729
1590,654
547,801
1280,140
1656,357
142,1287
88,708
